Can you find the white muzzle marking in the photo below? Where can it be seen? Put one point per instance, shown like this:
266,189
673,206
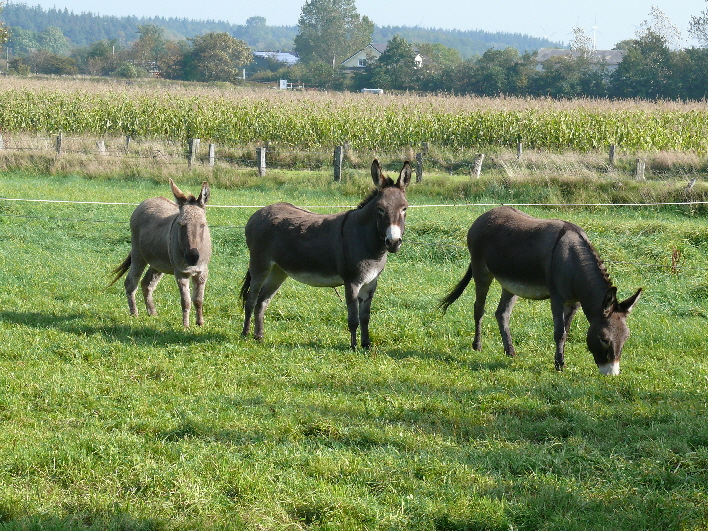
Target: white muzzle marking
609,369
393,234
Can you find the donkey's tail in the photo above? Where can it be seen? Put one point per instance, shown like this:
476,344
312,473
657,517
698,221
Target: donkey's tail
245,287
456,291
121,269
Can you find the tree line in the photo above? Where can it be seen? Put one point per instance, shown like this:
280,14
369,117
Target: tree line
329,31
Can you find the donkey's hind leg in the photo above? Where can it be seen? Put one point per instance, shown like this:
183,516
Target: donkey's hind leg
270,287
481,286
263,287
131,282
503,313
149,283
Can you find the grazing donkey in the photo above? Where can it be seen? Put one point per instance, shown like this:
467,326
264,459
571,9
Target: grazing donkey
170,238
348,248
540,259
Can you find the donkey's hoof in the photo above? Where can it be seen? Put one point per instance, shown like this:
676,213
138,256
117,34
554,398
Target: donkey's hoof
560,366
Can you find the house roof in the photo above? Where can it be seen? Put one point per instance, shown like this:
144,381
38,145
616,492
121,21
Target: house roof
611,57
284,57
378,47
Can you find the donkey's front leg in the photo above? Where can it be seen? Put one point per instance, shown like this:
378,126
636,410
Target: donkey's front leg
366,295
149,283
183,283
562,317
351,294
199,284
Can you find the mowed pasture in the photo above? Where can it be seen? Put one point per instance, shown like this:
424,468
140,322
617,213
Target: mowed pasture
114,422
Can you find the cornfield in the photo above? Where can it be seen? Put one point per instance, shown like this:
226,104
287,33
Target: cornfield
235,116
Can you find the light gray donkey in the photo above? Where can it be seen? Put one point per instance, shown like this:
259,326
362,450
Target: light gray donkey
171,238
545,259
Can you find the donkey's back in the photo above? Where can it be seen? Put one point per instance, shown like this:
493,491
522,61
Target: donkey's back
516,249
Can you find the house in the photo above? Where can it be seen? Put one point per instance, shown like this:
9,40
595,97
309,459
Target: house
373,51
288,59
610,57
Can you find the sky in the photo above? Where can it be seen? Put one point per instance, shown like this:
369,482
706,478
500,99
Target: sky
609,21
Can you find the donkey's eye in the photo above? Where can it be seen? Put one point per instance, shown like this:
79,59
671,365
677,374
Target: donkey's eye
380,212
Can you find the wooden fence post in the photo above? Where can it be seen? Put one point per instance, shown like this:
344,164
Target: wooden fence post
101,147
639,174
212,154
477,165
193,150
59,141
419,167
261,156
338,158
519,150
612,155
2,142
127,142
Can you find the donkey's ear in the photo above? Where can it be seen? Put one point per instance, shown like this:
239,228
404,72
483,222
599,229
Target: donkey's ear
404,179
627,305
608,303
377,175
179,195
204,195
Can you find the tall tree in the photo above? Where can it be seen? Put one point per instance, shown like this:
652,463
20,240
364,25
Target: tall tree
331,30
147,50
52,39
395,68
698,27
4,33
660,24
647,70
216,57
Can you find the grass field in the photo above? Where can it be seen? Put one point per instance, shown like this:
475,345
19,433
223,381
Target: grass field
113,422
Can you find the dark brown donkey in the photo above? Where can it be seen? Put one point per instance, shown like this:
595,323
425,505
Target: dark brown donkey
348,248
171,238
540,259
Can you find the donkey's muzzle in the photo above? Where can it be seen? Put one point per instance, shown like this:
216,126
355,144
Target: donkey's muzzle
393,239
191,257
392,246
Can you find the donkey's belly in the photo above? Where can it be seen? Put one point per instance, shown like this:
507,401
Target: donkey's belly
317,280
525,290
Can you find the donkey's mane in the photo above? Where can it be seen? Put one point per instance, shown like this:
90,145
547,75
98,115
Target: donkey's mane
600,262
369,198
375,192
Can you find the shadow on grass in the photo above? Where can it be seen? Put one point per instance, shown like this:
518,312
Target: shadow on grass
81,521
497,364
76,324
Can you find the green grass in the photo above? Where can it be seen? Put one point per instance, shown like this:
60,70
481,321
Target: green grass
113,422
